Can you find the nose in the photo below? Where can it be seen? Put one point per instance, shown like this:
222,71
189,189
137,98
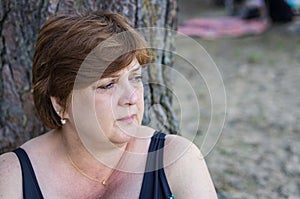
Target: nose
129,95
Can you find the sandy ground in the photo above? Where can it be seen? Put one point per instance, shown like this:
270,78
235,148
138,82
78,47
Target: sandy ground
257,154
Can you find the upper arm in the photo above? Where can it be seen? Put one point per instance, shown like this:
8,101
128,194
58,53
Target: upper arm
188,175
10,176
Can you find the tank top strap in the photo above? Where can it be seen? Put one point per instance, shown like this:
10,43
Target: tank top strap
155,184
31,189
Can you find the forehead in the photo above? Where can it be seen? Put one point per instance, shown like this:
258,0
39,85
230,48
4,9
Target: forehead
133,66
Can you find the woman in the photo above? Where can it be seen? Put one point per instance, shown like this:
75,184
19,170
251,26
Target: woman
87,88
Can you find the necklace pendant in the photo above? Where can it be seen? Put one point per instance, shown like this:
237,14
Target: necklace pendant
104,182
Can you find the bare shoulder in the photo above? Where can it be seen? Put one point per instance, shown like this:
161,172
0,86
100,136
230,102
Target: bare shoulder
178,149
10,168
10,176
186,169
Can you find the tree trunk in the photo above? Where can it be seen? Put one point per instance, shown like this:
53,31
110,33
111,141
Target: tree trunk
20,21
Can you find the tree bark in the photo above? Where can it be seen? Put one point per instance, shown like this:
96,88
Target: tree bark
20,21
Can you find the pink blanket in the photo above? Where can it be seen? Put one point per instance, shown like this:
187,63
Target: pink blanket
211,28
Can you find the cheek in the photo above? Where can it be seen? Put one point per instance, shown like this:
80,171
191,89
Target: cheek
140,103
103,108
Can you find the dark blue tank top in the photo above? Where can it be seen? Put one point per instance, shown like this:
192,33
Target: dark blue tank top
30,185
154,185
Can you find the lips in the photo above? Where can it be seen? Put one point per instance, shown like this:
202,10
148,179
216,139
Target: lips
127,119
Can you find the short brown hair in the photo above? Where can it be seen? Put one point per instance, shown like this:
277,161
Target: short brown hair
63,44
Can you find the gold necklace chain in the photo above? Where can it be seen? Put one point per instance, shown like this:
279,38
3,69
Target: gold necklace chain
103,182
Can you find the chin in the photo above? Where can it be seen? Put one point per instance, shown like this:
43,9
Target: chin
120,139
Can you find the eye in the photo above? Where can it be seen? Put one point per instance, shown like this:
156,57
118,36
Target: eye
107,86
137,78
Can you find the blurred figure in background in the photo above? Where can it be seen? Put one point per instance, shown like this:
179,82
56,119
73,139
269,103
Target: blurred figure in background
279,11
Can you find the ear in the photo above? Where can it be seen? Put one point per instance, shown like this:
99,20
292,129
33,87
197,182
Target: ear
55,104
60,110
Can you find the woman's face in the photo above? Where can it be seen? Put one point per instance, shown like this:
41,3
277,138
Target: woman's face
110,108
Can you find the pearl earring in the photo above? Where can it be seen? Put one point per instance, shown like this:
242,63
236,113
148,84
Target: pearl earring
62,121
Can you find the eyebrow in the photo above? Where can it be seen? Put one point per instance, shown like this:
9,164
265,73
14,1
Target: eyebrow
113,76
118,75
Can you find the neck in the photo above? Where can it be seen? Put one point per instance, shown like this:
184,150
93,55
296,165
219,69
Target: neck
91,164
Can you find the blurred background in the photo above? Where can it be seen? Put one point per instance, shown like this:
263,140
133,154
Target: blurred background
258,152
